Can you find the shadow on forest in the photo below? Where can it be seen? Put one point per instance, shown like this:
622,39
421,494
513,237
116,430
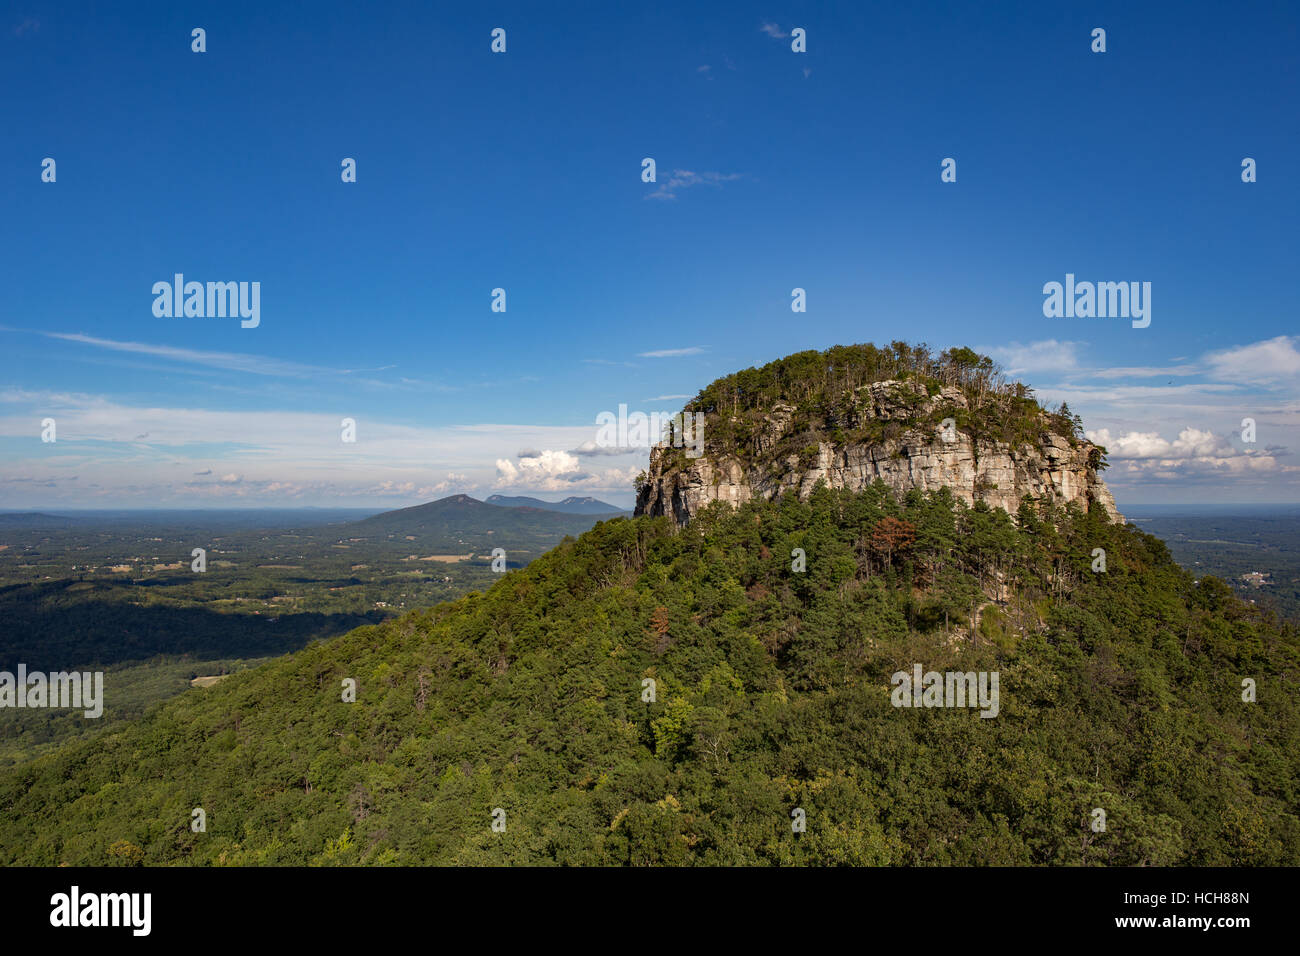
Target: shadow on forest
50,636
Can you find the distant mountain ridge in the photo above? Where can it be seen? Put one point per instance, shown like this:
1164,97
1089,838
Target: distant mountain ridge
32,519
459,523
570,505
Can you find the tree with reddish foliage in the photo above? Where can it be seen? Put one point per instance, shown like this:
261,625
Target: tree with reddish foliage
660,621
891,536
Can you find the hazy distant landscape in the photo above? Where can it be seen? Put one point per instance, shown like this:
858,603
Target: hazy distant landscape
1255,548
115,590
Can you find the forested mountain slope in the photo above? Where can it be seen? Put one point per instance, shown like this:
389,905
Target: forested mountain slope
1119,690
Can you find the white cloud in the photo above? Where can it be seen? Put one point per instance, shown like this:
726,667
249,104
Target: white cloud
453,482
1196,458
1190,443
774,31
548,464
558,471
1046,356
1269,362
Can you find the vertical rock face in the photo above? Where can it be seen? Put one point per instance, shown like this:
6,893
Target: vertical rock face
913,452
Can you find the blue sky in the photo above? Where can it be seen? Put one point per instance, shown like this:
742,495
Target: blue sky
522,171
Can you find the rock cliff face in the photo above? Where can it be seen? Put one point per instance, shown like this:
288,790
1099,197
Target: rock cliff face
920,454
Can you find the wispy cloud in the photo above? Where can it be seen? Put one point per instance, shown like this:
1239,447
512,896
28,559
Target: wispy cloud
227,361
266,455
1273,361
235,361
685,178
1180,424
1146,371
1261,365
230,361
774,31
589,449
671,353
1047,356
43,481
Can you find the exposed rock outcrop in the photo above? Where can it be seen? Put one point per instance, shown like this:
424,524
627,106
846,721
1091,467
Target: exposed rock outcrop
921,455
